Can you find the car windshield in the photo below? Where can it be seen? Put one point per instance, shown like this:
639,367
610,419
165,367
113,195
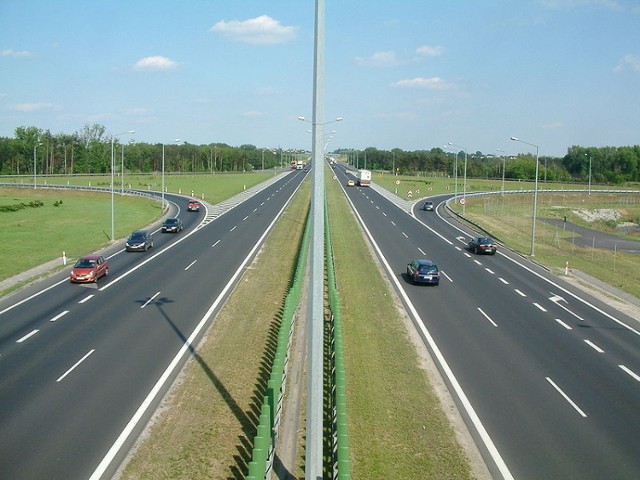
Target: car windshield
136,237
428,269
484,240
85,263
171,221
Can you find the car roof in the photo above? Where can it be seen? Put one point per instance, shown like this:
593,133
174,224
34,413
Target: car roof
90,257
422,261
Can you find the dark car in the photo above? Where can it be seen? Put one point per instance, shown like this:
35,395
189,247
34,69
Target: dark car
139,241
89,269
423,271
172,225
483,245
193,206
428,206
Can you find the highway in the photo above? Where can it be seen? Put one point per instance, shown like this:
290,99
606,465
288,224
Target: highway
82,367
546,377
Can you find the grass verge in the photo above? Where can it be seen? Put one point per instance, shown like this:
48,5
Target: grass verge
397,427
207,424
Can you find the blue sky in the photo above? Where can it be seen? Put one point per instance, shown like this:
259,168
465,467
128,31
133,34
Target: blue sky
408,74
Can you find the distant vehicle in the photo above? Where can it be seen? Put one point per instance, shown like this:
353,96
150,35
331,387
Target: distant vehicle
428,206
172,225
89,269
351,183
364,178
483,245
423,271
139,241
193,206
293,164
299,165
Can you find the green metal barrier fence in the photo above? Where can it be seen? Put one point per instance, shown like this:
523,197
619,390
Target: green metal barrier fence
271,405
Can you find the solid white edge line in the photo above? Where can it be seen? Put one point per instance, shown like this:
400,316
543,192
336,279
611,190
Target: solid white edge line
157,388
75,365
566,397
466,404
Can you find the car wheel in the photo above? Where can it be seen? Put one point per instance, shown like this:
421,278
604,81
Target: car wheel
475,250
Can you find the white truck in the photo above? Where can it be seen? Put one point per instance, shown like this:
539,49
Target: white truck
299,165
364,178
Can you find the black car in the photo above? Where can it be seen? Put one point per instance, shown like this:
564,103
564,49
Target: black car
139,241
483,245
172,225
423,271
428,206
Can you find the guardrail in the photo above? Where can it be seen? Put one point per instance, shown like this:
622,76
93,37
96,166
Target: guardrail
266,437
126,191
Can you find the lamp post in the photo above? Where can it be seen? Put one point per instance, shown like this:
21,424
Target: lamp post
504,163
177,140
113,137
455,171
35,146
535,198
587,155
464,182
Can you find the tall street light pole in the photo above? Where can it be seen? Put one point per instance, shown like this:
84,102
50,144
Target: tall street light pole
35,146
177,141
113,137
464,182
504,163
535,199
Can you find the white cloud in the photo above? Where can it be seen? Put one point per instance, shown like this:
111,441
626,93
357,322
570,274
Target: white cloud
155,63
628,62
429,51
15,54
34,107
254,113
435,83
262,30
379,59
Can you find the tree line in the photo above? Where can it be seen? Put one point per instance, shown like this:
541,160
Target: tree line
89,151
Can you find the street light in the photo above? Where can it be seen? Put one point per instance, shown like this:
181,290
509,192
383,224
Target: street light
38,142
113,137
504,162
464,184
587,155
535,198
177,141
131,142
455,172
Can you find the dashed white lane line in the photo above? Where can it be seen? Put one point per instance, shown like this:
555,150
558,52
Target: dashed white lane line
540,307
519,292
190,265
487,317
405,235
563,324
27,336
76,365
233,228
503,281
490,271
630,372
566,397
87,298
59,316
149,301
217,242
594,346
421,251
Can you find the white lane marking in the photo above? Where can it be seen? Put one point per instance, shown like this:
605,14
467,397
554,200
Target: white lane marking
519,292
262,204
630,372
458,248
384,214
540,307
405,235
377,207
445,274
421,251
149,301
245,218
563,324
477,262
503,281
466,254
255,210
76,365
190,265
233,228
566,397
594,346
490,271
59,316
487,317
393,223
217,242
87,298
557,299
28,335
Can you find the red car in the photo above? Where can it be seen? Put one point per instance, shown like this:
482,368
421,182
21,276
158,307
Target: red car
89,269
193,206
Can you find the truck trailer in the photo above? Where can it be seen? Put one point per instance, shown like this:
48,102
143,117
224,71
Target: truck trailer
364,178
